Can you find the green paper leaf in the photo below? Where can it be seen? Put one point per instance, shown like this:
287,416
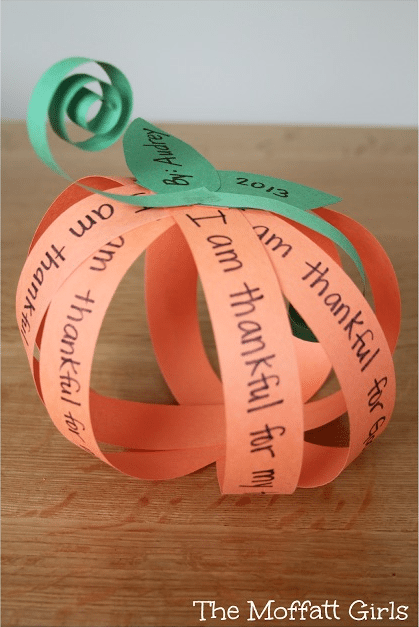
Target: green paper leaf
164,163
288,192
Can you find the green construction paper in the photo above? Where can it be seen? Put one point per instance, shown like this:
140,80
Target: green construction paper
287,192
162,163
57,95
299,327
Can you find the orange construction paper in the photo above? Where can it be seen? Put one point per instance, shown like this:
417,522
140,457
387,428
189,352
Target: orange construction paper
251,264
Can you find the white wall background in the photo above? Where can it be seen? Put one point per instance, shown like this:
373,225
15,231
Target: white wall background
280,61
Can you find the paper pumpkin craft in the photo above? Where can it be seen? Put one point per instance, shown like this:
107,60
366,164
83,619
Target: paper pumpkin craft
283,310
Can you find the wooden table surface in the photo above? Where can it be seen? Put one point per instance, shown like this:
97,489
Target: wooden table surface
84,545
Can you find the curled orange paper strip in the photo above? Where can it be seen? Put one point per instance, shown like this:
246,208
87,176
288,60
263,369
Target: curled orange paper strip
254,422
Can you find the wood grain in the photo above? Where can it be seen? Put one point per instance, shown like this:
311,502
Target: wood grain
86,546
